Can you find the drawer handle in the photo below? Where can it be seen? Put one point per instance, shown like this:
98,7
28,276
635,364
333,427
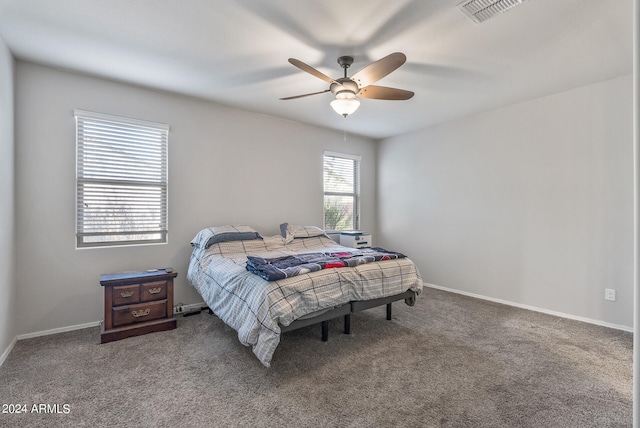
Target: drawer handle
127,293
144,313
155,290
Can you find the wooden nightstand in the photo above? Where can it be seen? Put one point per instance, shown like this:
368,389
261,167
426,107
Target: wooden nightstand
137,303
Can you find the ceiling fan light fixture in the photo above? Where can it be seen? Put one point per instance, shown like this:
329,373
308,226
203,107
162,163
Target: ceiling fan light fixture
345,105
361,83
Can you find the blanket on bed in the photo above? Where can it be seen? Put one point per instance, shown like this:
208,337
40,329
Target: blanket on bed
273,269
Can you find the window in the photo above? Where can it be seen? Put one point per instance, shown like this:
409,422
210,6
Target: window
121,180
341,191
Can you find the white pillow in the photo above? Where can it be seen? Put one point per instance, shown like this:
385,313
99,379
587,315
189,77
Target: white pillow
291,231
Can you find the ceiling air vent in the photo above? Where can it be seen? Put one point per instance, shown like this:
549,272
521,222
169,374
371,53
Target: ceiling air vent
481,10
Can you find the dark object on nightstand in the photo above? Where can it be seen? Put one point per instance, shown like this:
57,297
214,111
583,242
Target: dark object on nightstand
137,303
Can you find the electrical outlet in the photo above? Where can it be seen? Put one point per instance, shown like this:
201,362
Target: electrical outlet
610,294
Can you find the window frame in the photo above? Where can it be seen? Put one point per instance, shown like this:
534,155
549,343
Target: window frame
121,181
356,194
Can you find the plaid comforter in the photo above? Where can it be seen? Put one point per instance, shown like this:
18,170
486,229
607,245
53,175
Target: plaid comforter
255,307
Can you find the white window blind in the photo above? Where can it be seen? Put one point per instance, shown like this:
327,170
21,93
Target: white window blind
341,191
121,176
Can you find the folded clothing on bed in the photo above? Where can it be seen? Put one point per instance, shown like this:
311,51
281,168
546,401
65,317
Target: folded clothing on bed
273,269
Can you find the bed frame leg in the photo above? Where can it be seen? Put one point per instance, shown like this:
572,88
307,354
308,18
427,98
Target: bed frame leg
325,331
347,324
389,311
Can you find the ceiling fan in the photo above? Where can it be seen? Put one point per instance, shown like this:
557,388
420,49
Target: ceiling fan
347,89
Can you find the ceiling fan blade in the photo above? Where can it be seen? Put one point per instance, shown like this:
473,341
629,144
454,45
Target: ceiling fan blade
305,67
377,70
384,93
305,95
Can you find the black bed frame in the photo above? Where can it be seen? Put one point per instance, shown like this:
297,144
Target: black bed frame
346,310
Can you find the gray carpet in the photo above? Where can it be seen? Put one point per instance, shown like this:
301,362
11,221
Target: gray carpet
449,361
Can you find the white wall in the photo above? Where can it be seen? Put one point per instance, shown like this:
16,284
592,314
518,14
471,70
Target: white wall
7,237
532,203
225,166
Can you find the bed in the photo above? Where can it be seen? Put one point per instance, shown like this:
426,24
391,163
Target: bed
260,309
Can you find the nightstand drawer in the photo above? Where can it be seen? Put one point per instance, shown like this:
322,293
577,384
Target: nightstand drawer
132,314
126,294
156,290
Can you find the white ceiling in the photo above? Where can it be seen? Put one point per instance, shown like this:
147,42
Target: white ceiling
235,52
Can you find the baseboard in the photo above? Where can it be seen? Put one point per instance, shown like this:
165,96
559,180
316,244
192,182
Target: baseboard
187,308
58,330
533,308
6,353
